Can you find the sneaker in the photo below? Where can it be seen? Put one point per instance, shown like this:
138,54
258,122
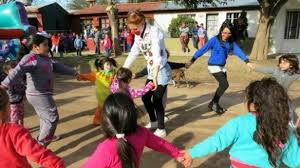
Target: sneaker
166,119
160,133
152,125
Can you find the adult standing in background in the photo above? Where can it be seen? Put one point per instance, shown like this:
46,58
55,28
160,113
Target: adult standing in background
184,37
195,35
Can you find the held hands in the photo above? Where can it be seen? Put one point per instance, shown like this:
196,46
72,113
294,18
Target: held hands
154,84
185,158
251,66
188,64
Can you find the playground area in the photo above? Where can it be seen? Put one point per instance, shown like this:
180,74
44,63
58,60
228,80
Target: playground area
190,121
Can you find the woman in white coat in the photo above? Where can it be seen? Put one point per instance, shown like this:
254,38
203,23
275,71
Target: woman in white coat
149,40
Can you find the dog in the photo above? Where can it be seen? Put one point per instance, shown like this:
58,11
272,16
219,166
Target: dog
177,76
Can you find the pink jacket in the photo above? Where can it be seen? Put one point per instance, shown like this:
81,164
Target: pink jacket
134,93
106,154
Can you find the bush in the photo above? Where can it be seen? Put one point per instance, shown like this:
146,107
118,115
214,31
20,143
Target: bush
176,23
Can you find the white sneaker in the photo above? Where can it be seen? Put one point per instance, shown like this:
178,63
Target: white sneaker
152,125
160,133
166,119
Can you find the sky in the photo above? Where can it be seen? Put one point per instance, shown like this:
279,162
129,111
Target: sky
63,3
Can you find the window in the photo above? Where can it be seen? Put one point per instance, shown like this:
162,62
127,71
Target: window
122,23
292,25
233,16
104,23
189,15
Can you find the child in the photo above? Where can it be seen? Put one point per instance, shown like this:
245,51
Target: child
260,138
55,42
17,144
78,44
16,94
285,74
107,45
102,78
121,84
125,138
39,69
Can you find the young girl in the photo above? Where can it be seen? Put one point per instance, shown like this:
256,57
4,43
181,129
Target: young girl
285,74
17,144
16,94
121,84
39,69
125,138
220,46
261,138
107,45
102,78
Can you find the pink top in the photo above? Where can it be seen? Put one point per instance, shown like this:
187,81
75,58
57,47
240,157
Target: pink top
134,93
107,43
106,154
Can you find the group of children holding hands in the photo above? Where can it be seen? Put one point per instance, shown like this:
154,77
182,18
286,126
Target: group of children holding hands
267,136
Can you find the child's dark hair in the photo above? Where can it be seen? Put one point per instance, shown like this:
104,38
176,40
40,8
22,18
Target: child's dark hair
120,117
231,39
4,100
35,40
124,75
7,65
272,115
294,62
99,63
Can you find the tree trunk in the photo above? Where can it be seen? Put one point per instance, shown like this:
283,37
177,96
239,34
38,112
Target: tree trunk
261,44
112,13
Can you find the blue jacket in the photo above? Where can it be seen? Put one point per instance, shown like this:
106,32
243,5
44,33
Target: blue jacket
238,135
78,43
218,53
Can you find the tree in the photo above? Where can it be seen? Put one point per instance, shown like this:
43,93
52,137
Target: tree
79,4
268,12
176,23
112,13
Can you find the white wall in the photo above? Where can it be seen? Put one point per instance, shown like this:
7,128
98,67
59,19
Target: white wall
279,44
163,20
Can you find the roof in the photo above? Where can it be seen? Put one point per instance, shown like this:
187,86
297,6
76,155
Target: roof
126,7
161,6
230,4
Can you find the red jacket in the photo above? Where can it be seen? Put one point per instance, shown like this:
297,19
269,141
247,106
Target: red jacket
17,145
130,38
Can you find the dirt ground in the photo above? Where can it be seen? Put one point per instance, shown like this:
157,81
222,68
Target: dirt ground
190,120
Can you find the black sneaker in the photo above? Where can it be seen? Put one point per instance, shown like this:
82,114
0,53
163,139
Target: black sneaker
216,108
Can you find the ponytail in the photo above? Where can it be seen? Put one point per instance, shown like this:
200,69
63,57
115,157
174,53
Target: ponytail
126,154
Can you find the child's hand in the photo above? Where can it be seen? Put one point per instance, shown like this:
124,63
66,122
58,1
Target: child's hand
133,76
154,85
186,158
188,64
251,66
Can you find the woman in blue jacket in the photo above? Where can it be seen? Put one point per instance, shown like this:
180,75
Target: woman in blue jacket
220,45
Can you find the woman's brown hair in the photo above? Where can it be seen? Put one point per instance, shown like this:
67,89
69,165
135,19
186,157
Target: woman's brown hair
135,17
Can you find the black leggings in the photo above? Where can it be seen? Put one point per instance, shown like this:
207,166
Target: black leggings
154,106
221,77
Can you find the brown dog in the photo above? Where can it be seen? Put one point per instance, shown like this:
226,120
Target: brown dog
177,76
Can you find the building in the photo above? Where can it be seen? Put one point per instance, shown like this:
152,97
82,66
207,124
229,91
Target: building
51,18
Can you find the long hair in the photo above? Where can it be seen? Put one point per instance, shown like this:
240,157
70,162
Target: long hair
294,62
124,75
272,116
99,63
231,39
120,117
